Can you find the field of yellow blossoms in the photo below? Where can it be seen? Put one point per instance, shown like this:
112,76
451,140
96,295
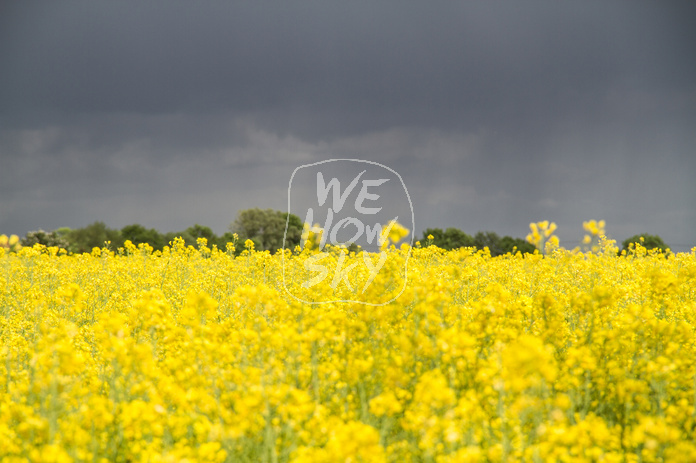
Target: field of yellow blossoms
193,354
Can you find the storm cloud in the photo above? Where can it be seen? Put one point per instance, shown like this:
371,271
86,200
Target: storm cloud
495,114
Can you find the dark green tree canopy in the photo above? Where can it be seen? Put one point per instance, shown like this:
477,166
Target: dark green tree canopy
648,242
54,238
510,244
489,240
138,234
453,238
94,235
266,227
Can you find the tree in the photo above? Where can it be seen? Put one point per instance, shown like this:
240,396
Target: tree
645,240
500,246
491,240
266,228
191,235
509,244
227,237
53,238
95,235
138,234
438,237
452,238
456,238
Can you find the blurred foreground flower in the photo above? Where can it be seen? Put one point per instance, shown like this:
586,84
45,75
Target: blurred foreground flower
11,243
596,233
542,236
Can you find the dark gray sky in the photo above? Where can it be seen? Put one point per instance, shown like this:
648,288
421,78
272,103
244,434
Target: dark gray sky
495,114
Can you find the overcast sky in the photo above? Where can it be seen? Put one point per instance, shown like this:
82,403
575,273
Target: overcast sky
495,114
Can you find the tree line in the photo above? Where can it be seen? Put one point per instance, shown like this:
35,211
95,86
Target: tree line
266,229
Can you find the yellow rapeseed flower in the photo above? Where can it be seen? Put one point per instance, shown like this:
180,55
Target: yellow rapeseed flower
197,354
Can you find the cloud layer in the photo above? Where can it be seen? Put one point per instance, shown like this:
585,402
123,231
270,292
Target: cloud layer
495,115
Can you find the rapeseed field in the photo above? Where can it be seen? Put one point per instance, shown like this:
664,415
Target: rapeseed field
195,354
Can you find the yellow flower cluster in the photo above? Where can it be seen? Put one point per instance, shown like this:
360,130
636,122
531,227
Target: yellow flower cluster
391,233
596,233
9,244
199,355
542,236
